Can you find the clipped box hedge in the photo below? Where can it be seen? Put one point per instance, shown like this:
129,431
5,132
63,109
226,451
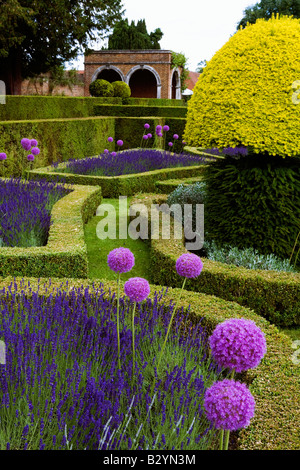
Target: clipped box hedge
139,110
274,383
271,294
114,186
65,254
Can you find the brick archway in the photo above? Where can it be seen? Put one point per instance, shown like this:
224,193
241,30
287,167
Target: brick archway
175,84
108,71
144,81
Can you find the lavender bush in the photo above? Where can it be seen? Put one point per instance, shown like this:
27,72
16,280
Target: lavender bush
130,162
25,211
61,386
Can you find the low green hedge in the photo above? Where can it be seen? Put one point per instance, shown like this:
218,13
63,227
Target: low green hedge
273,295
65,253
274,383
166,187
114,186
138,110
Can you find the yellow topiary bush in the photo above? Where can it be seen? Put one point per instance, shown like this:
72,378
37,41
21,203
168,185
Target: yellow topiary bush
249,92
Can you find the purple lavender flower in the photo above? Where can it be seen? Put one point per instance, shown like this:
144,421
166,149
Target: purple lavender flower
166,128
3,156
119,143
30,157
26,144
110,139
238,344
137,289
146,126
35,150
121,260
33,143
229,405
175,136
189,265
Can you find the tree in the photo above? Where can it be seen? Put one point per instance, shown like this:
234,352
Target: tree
38,35
201,66
133,36
265,9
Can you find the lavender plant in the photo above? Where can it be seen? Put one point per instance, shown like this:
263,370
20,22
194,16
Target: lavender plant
62,388
25,211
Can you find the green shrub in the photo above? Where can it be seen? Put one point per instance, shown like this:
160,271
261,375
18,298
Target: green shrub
101,87
139,110
254,202
121,89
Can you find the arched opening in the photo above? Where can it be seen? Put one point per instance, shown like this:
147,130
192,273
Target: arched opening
143,84
175,86
110,75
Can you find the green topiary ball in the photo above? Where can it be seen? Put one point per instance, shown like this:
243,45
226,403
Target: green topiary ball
100,88
121,89
249,92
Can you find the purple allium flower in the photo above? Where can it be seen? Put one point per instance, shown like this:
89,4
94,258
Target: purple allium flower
229,405
120,260
158,127
170,144
33,143
137,289
110,139
35,150
26,144
159,134
149,135
145,137
166,128
175,136
238,344
120,143
189,265
30,157
3,156
146,126
113,154
106,151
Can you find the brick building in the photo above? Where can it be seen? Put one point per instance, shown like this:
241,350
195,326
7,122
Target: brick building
148,72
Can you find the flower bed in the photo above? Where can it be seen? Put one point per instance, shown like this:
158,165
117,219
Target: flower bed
273,295
65,253
275,423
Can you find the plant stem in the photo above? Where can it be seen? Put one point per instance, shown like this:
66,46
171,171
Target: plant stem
118,326
227,432
294,248
133,350
168,331
221,439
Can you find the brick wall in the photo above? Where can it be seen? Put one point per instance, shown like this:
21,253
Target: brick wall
40,87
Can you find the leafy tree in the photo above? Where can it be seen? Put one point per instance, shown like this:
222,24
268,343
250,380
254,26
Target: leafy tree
265,9
178,59
38,35
201,66
133,36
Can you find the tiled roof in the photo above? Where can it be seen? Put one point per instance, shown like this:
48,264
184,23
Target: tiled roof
192,79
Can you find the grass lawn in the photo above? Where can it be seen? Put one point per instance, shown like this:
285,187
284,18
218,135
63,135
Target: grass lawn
98,249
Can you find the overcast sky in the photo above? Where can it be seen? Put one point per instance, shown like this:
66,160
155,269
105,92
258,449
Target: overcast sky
197,28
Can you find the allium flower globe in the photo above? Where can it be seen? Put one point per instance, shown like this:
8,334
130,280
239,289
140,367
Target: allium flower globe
33,143
146,126
189,265
175,136
120,260
113,154
137,289
229,405
3,156
119,143
145,137
149,135
166,128
110,139
238,344
35,150
170,144
26,144
30,157
106,151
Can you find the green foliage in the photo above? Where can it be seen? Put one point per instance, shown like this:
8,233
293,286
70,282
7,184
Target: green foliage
179,60
100,88
265,9
133,37
139,110
254,202
121,89
36,36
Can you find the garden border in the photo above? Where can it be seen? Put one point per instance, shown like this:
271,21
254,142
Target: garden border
274,383
273,295
65,253
114,186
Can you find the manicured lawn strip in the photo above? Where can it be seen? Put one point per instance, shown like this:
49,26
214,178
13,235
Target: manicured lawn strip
65,253
97,249
273,295
274,383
